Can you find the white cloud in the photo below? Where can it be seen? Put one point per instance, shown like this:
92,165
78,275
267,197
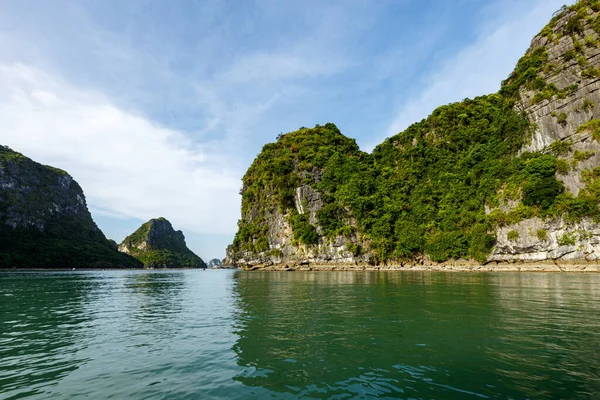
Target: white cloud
126,165
479,68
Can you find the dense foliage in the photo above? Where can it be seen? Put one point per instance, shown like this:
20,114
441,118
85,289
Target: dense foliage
440,173
421,191
30,249
161,258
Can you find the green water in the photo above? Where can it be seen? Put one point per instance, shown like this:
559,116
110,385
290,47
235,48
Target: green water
231,334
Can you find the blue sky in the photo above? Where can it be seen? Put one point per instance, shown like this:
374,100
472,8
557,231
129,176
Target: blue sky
157,107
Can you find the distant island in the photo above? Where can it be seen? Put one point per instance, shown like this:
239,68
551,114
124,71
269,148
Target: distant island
510,177
157,245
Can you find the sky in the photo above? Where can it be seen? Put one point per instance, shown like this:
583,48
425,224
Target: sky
157,108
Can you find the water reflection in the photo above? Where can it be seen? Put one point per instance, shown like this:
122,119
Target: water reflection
42,323
351,333
418,335
194,334
157,295
553,319
147,334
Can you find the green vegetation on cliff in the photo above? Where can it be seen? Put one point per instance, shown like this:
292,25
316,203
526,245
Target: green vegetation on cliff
44,220
157,245
421,191
439,175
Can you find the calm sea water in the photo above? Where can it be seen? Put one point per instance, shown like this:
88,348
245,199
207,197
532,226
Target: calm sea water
232,334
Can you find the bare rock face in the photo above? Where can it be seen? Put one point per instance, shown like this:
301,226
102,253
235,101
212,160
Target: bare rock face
570,58
535,240
309,201
572,72
284,250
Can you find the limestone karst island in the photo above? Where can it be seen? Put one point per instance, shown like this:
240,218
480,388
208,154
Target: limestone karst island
507,177
300,199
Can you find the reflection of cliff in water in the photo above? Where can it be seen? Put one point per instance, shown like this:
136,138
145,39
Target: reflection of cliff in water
554,319
335,331
41,315
404,334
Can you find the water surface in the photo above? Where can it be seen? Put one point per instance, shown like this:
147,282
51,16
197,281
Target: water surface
232,334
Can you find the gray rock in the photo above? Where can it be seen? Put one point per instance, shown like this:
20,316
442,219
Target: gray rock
548,129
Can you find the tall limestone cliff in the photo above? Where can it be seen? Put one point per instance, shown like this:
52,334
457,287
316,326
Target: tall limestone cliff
157,245
44,220
512,176
557,85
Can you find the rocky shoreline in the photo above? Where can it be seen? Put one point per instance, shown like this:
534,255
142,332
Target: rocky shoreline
466,267
97,269
446,267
